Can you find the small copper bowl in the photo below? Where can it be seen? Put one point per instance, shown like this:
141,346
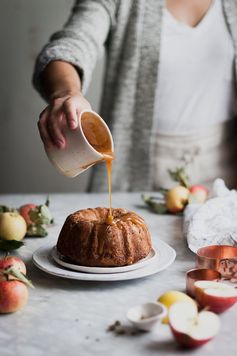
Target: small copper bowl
221,258
199,274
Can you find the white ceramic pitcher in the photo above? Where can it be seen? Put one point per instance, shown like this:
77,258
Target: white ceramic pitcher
83,147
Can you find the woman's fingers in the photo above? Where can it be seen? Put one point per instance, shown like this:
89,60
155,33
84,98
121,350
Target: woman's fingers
70,112
54,130
72,108
49,128
42,126
50,121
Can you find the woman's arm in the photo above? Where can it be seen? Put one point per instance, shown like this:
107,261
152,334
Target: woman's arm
60,79
61,85
64,67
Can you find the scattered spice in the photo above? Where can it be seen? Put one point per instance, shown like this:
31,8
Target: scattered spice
114,326
118,329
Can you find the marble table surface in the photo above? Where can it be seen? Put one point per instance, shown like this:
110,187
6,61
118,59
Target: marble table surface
69,317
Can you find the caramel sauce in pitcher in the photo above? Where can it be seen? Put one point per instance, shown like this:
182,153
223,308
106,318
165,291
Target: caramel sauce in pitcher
97,135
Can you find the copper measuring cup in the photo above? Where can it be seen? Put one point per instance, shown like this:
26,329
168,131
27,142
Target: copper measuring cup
222,258
199,274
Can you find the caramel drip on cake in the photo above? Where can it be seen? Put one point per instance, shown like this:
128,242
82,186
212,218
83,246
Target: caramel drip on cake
135,219
122,223
88,240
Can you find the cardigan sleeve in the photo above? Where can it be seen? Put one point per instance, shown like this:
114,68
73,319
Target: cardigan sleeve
80,41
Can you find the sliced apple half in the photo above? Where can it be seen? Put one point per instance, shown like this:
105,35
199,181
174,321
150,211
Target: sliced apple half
190,328
215,296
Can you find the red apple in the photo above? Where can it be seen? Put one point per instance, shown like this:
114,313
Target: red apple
217,296
13,296
190,328
24,211
11,261
176,199
199,193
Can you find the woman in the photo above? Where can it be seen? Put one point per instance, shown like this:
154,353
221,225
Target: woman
169,91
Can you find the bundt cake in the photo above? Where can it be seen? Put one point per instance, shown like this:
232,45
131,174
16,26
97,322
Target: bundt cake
88,239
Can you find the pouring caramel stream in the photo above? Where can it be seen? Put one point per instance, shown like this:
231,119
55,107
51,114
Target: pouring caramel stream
98,137
109,162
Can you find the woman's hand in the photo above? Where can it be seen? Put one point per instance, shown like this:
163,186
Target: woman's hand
67,107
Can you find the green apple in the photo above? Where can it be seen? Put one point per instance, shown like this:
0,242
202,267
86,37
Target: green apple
12,226
176,199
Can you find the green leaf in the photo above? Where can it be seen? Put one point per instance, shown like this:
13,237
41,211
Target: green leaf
10,245
18,275
41,215
37,231
46,214
6,209
180,175
156,207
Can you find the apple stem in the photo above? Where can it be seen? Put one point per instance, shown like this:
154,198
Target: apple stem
19,276
47,203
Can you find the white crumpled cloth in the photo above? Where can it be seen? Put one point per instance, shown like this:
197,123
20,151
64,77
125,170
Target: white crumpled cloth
215,221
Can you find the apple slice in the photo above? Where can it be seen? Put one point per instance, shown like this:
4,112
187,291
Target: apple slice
216,296
190,328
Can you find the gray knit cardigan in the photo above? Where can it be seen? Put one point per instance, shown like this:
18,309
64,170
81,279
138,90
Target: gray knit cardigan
130,31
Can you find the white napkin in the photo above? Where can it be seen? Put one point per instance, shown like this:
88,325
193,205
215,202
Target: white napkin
215,221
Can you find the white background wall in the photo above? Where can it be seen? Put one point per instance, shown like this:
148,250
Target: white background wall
25,26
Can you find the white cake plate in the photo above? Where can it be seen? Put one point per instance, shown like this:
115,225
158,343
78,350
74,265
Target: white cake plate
61,261
165,256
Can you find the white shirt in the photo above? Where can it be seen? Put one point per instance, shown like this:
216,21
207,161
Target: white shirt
195,86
